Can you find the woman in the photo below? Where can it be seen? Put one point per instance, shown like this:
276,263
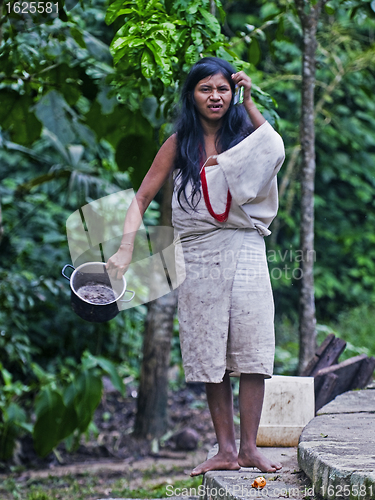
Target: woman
225,301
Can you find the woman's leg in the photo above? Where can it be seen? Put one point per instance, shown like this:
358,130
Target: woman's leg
220,403
251,402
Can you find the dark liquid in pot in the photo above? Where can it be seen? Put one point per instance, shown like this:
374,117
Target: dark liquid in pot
96,294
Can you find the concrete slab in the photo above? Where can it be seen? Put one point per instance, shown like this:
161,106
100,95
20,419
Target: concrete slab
236,485
230,486
337,448
351,402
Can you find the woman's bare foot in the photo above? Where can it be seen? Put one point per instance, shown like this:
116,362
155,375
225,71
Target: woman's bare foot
221,461
255,458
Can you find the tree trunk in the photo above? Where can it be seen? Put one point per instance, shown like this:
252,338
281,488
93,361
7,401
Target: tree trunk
309,16
151,418
212,7
3,20
1,225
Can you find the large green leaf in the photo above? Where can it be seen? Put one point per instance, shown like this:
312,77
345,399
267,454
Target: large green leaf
8,434
84,394
61,120
124,41
211,21
54,422
90,361
84,134
98,49
89,392
254,51
67,80
116,9
110,369
148,64
17,117
53,111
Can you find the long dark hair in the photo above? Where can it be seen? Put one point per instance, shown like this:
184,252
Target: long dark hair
236,126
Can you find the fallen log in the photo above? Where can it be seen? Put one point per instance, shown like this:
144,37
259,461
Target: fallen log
345,372
327,354
332,378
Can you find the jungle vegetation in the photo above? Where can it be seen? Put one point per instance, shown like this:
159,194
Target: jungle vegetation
88,94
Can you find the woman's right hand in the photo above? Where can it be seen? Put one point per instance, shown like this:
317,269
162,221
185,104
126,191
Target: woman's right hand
118,264
161,168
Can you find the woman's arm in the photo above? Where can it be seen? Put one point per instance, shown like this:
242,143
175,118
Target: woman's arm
242,80
156,176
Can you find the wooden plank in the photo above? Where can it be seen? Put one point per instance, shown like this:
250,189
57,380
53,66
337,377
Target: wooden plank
323,393
310,366
364,374
330,355
346,372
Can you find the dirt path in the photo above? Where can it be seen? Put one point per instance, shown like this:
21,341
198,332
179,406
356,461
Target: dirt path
147,478
152,477
182,463
116,465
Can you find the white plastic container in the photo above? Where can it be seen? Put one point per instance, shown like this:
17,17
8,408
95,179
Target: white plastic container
289,405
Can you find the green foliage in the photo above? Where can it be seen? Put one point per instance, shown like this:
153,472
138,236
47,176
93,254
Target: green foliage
355,326
75,128
55,421
41,341
47,95
17,109
286,351
64,403
38,495
154,47
344,208
13,419
160,490
38,60
159,39
158,42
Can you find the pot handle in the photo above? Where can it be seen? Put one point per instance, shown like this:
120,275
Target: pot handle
131,298
65,276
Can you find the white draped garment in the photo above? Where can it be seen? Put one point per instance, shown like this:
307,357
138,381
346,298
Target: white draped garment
209,263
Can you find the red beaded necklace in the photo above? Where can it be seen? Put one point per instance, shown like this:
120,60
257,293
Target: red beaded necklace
219,217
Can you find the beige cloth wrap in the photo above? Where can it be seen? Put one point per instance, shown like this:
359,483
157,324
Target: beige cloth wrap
211,251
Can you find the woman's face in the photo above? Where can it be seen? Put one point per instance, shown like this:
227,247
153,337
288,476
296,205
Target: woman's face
213,96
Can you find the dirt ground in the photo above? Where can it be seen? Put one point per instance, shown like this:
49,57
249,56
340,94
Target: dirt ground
113,454
114,420
112,463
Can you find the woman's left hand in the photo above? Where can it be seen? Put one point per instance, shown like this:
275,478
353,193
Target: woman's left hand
242,80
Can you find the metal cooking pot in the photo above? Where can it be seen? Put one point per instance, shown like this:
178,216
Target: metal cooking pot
95,272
